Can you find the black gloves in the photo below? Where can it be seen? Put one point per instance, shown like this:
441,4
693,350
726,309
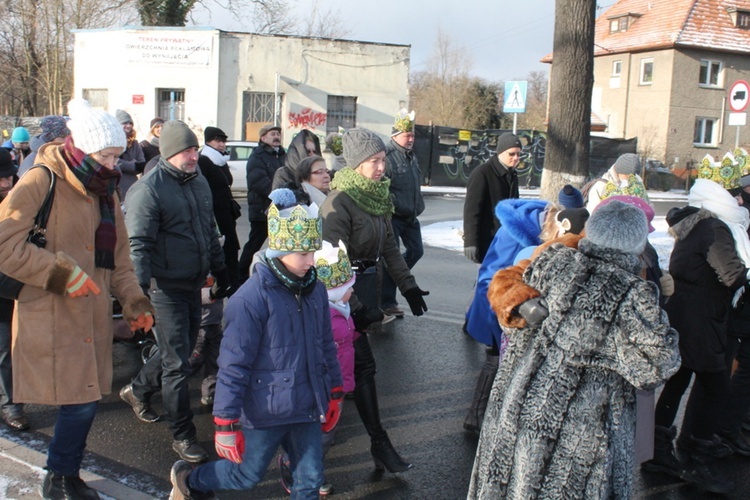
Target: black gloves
221,286
534,311
365,316
414,297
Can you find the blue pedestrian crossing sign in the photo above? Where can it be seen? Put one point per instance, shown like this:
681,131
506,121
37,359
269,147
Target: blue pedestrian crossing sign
515,97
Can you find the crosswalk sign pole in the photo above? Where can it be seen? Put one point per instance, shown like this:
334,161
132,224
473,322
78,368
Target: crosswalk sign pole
515,123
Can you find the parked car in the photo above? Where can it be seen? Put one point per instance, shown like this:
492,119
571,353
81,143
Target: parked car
239,152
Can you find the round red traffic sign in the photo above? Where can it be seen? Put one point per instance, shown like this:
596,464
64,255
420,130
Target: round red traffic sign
739,96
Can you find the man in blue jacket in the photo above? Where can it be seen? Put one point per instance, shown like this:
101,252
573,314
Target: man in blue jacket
174,244
279,377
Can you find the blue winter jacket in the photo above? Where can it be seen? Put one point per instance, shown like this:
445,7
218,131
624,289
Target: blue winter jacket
277,362
520,228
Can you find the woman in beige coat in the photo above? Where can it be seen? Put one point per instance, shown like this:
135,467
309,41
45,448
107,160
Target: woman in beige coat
62,328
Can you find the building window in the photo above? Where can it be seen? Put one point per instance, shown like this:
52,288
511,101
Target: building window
258,107
98,98
342,112
647,71
705,132
616,68
710,75
618,24
171,104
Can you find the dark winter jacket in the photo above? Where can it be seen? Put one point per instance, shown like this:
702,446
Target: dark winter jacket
739,319
173,235
366,237
488,184
406,180
296,152
707,271
278,359
520,229
220,181
561,417
131,163
150,148
263,163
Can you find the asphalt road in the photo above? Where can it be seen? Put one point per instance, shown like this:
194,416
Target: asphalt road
427,371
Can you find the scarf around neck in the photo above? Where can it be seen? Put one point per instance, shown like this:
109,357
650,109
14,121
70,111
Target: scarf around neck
102,182
299,286
374,197
217,157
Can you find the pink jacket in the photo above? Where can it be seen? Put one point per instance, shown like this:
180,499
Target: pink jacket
344,336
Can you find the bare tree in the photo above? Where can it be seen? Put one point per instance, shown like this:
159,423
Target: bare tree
322,23
445,94
36,47
571,77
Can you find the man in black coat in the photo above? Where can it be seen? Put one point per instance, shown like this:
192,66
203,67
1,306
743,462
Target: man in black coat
263,163
213,166
489,183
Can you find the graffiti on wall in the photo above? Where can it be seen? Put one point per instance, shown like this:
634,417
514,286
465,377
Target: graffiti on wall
460,151
306,118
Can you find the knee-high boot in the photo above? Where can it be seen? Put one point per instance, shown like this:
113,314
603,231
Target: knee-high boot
383,452
475,415
366,400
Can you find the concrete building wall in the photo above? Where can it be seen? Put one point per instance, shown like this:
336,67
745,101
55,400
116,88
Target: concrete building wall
226,65
663,115
691,100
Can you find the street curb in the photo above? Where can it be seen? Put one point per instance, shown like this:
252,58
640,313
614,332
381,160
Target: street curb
35,461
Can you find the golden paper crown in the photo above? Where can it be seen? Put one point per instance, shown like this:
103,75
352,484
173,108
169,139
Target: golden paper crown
404,122
294,229
333,266
726,173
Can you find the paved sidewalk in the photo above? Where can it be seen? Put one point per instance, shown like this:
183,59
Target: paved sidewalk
21,474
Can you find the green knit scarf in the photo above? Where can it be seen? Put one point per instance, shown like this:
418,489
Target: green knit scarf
374,197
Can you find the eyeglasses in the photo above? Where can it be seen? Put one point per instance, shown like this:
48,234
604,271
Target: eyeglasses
311,152
319,172
514,154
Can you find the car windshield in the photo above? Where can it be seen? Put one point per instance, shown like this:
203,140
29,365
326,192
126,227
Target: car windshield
239,152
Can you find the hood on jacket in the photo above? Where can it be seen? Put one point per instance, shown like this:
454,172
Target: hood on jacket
36,142
682,220
522,219
297,152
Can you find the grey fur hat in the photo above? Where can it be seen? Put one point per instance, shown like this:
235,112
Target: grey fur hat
360,144
628,164
175,137
619,226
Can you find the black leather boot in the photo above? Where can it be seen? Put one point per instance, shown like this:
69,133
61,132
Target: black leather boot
475,415
701,468
57,487
383,452
664,460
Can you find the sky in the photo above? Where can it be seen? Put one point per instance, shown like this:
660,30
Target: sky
506,39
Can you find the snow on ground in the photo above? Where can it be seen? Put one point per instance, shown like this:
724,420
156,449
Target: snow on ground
449,235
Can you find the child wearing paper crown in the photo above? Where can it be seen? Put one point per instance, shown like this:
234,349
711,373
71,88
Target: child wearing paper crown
335,271
279,378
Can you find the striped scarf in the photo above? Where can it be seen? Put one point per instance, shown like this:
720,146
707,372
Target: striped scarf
102,182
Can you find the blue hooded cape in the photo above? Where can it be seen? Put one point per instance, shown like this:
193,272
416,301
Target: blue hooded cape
520,228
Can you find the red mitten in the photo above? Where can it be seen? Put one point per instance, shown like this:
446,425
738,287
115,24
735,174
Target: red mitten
334,409
229,439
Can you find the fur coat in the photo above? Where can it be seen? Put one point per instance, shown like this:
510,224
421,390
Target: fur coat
561,417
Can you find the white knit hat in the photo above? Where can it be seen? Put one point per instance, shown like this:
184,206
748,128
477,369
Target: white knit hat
93,129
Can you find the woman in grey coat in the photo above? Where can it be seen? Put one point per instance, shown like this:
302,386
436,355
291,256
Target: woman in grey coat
561,417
